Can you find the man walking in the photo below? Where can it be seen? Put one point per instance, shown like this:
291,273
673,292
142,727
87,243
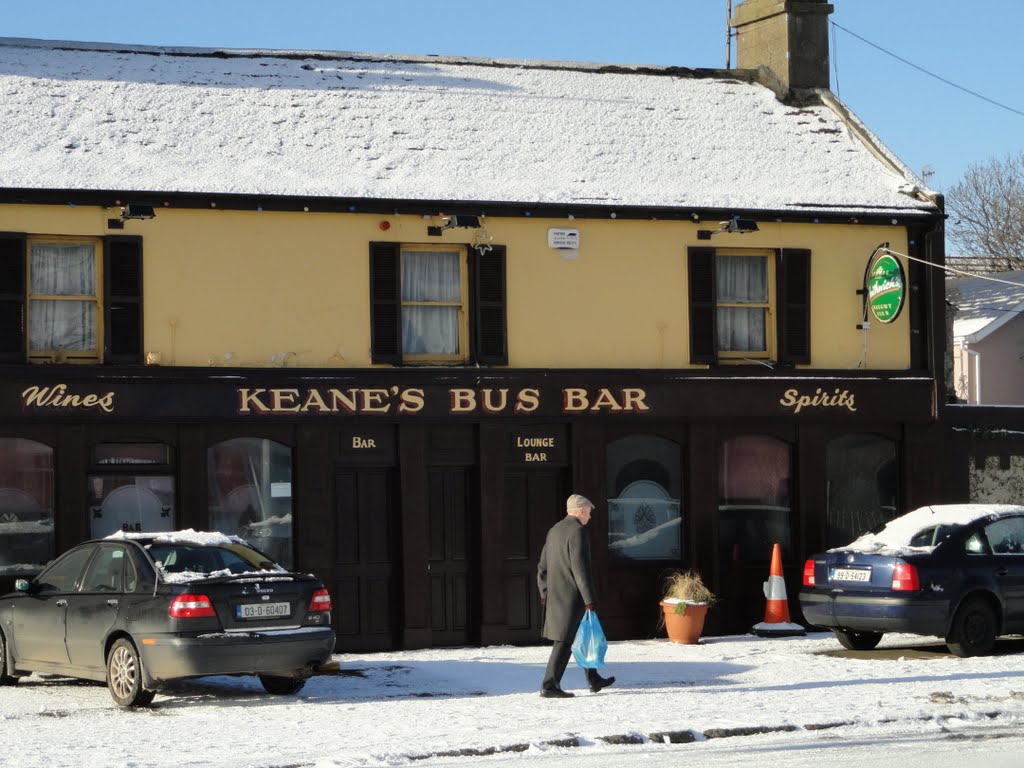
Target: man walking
566,590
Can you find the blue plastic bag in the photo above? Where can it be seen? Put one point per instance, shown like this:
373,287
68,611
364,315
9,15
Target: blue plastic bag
590,644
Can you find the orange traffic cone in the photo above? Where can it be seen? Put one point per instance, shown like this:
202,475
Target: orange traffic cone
776,613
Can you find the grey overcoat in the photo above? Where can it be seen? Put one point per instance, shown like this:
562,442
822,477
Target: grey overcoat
564,578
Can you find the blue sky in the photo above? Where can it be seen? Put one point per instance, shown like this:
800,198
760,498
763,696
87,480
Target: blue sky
928,124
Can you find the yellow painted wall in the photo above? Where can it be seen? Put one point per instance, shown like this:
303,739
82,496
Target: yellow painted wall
230,288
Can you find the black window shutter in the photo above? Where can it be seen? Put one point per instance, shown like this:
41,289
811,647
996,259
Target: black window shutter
385,304
12,297
122,301
701,263
794,300
490,329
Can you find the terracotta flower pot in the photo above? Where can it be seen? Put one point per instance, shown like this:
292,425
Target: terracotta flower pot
684,621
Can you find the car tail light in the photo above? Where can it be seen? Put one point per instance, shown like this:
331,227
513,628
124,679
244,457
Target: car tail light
904,578
191,607
809,573
321,601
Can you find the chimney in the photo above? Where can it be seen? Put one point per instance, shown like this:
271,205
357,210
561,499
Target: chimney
788,37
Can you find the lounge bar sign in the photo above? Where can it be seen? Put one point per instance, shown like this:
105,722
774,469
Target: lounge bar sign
537,445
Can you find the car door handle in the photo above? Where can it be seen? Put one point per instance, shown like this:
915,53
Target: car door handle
1001,571
112,601
61,603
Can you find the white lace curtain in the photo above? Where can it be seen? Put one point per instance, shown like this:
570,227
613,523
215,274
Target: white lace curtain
431,328
63,269
742,280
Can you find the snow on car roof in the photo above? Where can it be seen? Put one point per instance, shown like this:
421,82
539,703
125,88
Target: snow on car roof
188,536
894,538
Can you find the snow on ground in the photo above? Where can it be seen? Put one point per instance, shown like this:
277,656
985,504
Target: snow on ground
430,707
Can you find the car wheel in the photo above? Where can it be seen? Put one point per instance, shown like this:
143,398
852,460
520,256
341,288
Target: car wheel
124,676
973,632
5,679
282,686
858,641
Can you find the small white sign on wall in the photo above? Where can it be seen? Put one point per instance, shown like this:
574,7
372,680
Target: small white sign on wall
564,239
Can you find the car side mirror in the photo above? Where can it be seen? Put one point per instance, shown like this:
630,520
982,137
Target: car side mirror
22,585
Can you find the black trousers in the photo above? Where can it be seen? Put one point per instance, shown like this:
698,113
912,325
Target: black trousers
557,662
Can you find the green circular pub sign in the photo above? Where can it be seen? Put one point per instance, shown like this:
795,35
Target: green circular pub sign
887,288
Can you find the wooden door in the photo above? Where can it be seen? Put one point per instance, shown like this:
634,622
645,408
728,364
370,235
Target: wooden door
534,500
365,606
452,572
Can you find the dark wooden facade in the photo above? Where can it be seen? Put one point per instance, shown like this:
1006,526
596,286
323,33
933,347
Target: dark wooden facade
423,511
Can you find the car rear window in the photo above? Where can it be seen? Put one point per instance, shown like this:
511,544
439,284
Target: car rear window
190,560
931,535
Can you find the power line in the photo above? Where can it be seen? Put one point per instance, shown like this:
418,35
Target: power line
930,74
947,268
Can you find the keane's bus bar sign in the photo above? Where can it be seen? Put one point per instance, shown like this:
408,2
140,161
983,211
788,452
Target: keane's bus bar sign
691,400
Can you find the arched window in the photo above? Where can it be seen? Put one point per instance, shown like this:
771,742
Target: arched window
861,472
250,493
644,489
754,499
26,506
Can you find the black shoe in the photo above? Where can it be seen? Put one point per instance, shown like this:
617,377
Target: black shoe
555,693
601,682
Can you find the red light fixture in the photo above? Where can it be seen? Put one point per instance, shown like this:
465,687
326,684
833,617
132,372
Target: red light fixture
384,226
809,573
904,578
321,601
191,607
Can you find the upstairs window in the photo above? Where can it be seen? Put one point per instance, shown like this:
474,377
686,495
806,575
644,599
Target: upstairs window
435,304
434,327
63,300
749,305
743,312
70,299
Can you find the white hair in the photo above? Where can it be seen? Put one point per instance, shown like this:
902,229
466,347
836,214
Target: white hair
577,502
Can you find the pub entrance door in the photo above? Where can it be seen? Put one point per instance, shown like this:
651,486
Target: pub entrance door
366,609
452,569
534,500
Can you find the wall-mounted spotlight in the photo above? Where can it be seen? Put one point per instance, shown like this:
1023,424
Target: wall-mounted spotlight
733,225
135,211
451,222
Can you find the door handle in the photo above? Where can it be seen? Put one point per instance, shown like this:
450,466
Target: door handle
61,603
1001,571
112,601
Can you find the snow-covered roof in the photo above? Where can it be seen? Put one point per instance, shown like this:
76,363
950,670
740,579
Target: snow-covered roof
985,303
894,538
81,116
